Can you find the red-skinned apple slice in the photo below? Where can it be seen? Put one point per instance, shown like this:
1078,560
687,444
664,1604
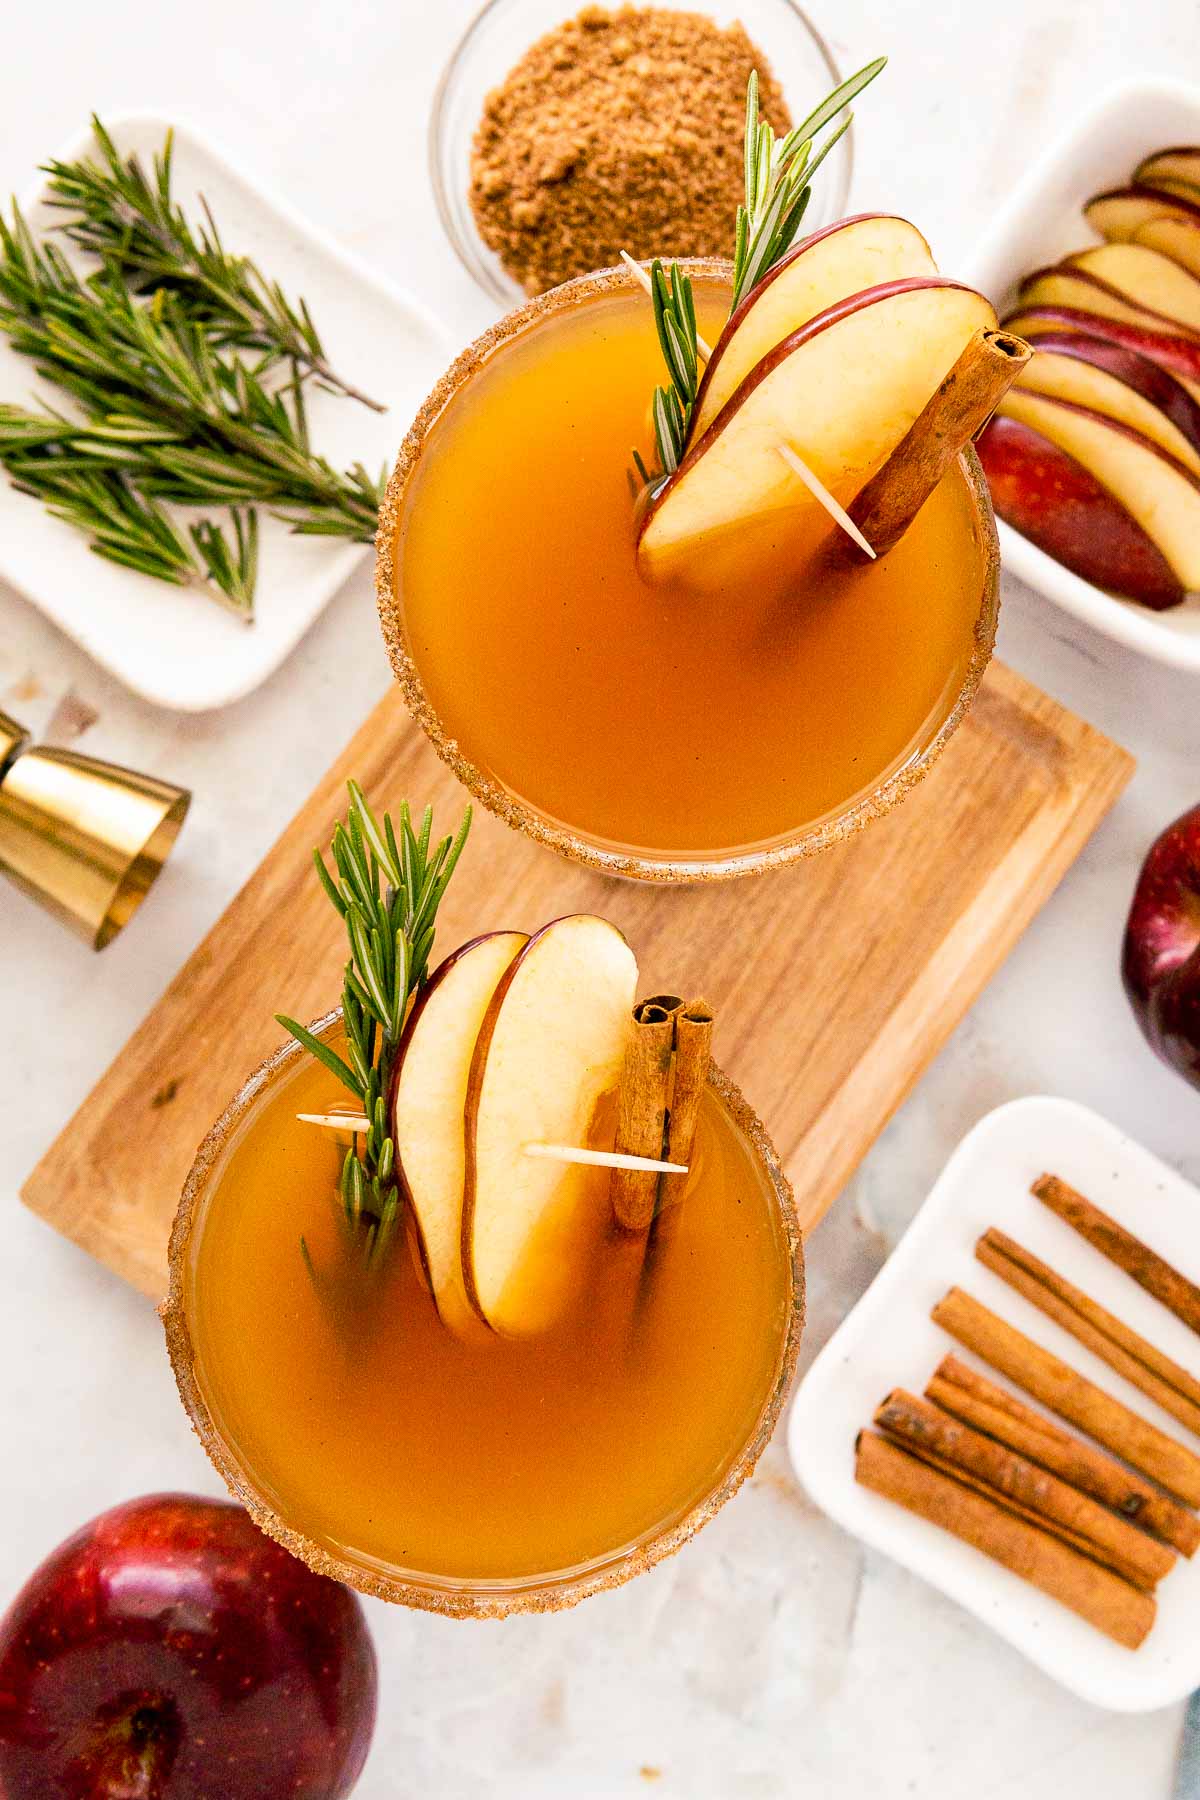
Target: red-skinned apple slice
1119,382
856,253
1146,277
1177,238
1162,496
1179,163
550,1049
1053,501
842,392
1179,356
428,1102
1117,214
1068,285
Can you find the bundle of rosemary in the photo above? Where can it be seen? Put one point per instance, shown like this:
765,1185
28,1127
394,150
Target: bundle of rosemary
185,368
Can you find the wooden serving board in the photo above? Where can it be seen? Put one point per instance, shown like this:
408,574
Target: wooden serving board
836,980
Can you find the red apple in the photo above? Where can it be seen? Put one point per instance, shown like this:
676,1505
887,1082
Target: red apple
1161,959
1050,498
170,1651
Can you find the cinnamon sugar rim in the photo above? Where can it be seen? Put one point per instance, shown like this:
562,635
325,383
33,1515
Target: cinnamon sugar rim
522,816
490,1598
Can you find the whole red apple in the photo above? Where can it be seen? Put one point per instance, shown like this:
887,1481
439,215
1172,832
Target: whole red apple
1161,960
170,1651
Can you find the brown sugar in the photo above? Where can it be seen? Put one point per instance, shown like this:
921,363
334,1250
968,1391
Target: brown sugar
619,130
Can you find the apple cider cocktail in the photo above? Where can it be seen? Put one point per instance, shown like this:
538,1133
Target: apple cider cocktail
702,628
456,1360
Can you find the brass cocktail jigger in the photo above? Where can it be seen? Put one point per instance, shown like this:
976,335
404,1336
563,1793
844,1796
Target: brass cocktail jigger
84,838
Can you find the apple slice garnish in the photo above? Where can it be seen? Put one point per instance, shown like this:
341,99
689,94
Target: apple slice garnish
1146,277
1055,502
1118,214
842,391
1179,356
1068,285
1160,494
842,259
1120,383
429,1098
1178,166
1177,238
549,1051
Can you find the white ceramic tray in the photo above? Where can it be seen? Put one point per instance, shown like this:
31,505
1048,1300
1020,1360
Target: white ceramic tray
889,1340
1042,221
173,646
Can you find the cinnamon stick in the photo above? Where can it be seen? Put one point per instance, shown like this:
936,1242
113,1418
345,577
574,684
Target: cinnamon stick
1148,1269
1070,1394
1114,1342
966,400
1029,1491
693,1053
978,1402
642,1108
1121,1611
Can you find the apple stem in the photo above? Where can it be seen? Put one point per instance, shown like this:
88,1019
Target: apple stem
820,492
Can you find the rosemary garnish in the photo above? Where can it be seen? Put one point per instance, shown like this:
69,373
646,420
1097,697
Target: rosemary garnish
191,393
387,888
133,225
779,173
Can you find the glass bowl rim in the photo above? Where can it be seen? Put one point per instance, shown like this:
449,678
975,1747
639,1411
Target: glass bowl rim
480,1599
519,814
438,134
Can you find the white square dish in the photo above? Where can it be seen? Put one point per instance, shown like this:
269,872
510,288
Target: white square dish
1042,221
889,1341
175,647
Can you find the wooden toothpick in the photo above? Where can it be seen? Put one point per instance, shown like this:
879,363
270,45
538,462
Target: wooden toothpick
355,1123
792,458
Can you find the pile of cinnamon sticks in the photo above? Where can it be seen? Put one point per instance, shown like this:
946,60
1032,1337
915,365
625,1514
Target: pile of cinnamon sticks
1095,1528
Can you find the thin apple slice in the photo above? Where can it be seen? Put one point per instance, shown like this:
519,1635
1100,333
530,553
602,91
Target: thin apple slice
842,391
1179,356
1121,384
1051,499
550,1049
1117,214
428,1102
1146,277
1177,238
1068,285
1180,164
1162,496
856,253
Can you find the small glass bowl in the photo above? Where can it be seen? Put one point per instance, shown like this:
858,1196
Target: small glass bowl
503,31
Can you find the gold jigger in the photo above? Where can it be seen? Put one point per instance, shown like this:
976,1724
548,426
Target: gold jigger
84,838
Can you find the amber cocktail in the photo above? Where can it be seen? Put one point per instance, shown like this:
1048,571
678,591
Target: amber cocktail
667,730
475,1473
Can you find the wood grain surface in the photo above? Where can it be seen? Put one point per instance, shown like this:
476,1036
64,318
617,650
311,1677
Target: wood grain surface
836,981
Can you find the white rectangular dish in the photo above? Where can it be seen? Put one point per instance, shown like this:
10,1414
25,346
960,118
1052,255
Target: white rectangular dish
889,1341
1042,221
175,647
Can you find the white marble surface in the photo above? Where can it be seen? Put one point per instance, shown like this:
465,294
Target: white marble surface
772,1658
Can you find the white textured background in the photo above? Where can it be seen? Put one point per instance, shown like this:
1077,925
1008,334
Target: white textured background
772,1658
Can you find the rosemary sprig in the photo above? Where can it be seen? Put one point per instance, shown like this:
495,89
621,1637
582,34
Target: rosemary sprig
779,173
132,223
778,186
387,887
